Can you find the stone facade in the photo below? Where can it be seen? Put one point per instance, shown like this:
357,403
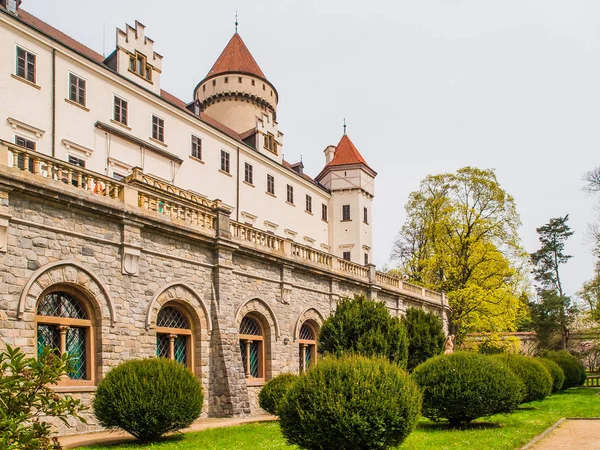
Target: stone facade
125,259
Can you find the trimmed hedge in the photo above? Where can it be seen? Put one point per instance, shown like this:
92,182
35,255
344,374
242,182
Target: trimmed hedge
148,398
558,376
351,402
535,376
463,386
425,336
571,366
272,392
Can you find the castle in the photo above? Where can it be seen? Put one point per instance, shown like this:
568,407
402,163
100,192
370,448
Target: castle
134,224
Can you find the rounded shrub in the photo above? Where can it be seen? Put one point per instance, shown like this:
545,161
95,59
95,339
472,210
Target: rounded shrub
351,402
463,386
425,336
573,368
533,374
558,376
148,398
272,392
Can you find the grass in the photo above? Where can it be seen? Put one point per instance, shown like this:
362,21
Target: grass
501,432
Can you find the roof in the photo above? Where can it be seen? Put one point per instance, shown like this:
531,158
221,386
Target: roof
236,58
346,153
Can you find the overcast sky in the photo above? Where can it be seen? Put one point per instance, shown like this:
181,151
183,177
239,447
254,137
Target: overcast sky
427,86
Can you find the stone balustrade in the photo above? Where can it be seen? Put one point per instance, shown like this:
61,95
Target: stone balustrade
180,205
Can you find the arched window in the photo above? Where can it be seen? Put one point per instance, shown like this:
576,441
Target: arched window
63,324
252,348
308,347
173,336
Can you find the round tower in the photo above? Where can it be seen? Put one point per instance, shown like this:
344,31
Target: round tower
235,91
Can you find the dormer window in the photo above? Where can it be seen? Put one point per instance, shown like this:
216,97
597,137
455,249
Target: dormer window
138,65
270,143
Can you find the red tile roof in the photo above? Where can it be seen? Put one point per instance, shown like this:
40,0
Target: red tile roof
346,153
236,58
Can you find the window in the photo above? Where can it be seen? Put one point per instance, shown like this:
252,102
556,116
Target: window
290,193
271,184
226,80
324,212
64,325
308,347
309,203
345,212
270,143
248,175
120,110
346,256
173,335
224,161
139,66
25,65
365,215
196,147
77,161
76,89
252,347
239,79
30,145
158,128
366,259
118,176
253,83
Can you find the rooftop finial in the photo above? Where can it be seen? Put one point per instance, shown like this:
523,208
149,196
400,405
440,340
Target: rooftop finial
236,20
344,126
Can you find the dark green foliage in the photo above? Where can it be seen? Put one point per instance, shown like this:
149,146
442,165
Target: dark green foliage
425,336
571,366
272,393
27,400
533,374
148,398
364,327
464,386
558,376
350,403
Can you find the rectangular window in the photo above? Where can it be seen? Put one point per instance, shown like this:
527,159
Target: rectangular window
224,161
324,212
366,259
248,174
120,110
77,161
271,184
76,89
21,159
25,65
196,147
290,193
346,212
309,203
365,215
346,256
118,176
158,128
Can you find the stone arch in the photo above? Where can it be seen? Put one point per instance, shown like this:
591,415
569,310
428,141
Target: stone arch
67,273
257,305
183,294
311,314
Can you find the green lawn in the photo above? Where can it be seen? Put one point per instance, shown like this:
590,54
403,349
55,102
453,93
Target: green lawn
498,432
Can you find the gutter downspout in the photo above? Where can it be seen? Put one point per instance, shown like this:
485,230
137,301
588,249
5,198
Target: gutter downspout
54,103
237,195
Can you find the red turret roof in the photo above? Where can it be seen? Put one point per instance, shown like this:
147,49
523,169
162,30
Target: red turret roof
346,153
236,58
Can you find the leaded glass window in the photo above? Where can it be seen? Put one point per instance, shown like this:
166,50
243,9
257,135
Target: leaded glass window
174,334
252,348
307,340
64,325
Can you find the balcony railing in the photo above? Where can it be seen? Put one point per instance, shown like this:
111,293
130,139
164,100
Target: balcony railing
180,205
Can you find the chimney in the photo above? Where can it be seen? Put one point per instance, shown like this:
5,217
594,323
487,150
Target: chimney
12,6
329,152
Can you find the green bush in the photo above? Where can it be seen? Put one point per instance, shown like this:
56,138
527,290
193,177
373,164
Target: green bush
463,386
533,374
148,398
558,376
425,336
350,402
272,392
362,326
27,400
571,366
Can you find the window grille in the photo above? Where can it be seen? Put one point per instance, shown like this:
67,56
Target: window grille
60,304
307,333
170,317
250,327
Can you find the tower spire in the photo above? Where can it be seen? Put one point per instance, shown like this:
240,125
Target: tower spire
344,126
236,20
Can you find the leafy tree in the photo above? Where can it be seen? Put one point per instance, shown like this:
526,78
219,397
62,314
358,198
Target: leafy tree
460,236
27,400
590,294
553,312
425,336
365,327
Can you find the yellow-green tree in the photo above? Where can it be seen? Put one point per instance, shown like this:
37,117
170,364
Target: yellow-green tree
460,236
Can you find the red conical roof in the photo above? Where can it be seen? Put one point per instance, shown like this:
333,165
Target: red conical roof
346,153
236,58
